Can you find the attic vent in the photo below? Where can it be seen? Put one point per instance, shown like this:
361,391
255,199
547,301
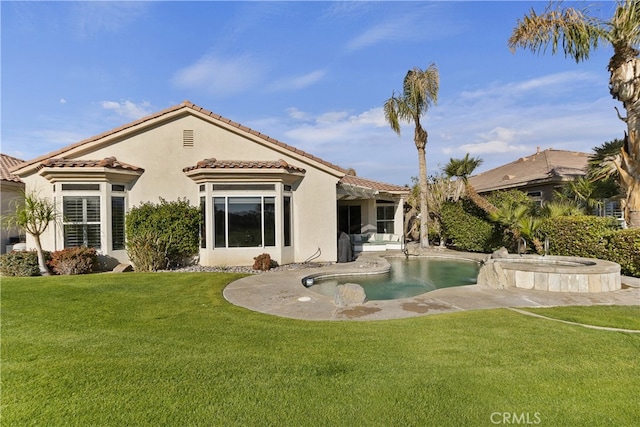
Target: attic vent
187,138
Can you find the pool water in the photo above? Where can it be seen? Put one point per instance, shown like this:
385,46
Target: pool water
407,278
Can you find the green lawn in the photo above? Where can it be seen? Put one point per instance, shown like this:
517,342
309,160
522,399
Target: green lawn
167,349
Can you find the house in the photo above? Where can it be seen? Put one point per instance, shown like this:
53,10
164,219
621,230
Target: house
538,175
11,189
256,194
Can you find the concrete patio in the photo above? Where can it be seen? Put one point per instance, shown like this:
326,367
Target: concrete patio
282,294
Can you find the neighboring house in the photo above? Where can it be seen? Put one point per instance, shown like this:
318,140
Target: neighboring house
538,175
12,189
257,194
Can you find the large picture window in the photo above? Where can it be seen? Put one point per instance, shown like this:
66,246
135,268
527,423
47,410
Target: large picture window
81,221
241,222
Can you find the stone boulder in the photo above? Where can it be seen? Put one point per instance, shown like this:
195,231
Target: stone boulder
349,294
122,268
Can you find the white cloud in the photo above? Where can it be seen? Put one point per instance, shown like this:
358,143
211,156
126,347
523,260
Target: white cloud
62,101
90,17
220,76
128,109
297,82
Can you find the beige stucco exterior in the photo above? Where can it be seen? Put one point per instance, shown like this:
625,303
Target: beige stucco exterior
156,149
11,192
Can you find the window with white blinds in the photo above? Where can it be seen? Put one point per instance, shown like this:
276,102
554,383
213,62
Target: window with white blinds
81,221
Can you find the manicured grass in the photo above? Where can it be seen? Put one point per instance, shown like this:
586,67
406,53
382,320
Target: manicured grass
167,349
612,316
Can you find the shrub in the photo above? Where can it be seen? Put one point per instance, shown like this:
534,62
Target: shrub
80,260
163,235
147,251
466,231
264,262
21,263
579,235
623,247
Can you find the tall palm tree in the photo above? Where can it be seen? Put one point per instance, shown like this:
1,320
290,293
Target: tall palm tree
578,34
419,92
461,169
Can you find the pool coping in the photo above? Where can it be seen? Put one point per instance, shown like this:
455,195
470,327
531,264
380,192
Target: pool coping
281,293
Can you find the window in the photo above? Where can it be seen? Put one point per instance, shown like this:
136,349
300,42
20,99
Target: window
286,211
203,222
536,197
81,221
241,222
350,219
117,223
385,219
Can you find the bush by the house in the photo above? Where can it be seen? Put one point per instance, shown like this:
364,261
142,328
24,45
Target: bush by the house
623,247
80,260
162,235
21,263
264,262
468,232
581,235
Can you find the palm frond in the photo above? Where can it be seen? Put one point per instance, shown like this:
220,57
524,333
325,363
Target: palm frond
569,29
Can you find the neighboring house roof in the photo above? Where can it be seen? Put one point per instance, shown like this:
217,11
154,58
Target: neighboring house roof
176,110
6,164
544,167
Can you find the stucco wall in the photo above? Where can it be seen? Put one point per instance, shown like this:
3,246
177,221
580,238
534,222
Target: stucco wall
159,150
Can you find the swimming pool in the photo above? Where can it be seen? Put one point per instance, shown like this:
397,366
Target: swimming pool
407,278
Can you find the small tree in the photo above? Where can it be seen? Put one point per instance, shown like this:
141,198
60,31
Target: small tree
33,214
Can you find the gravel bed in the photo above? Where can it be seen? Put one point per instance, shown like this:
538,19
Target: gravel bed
246,269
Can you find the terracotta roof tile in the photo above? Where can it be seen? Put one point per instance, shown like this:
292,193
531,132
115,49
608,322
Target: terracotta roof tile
374,185
6,163
108,162
244,164
544,166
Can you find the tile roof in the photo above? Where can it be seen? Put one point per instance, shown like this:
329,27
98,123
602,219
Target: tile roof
189,105
53,159
374,185
542,167
242,164
108,162
6,163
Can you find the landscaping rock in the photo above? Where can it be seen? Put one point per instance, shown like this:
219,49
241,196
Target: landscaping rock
122,268
492,275
349,294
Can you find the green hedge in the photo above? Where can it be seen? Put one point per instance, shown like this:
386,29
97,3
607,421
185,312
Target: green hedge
582,235
467,232
162,235
594,237
21,263
623,247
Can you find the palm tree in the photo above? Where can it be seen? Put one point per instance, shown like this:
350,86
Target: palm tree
461,169
419,92
577,34
33,215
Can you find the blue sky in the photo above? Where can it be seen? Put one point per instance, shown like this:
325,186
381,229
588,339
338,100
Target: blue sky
312,74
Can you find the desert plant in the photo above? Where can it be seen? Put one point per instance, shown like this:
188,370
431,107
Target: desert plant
33,214
263,262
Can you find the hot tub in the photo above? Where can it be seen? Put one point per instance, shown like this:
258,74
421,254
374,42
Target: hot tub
550,273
